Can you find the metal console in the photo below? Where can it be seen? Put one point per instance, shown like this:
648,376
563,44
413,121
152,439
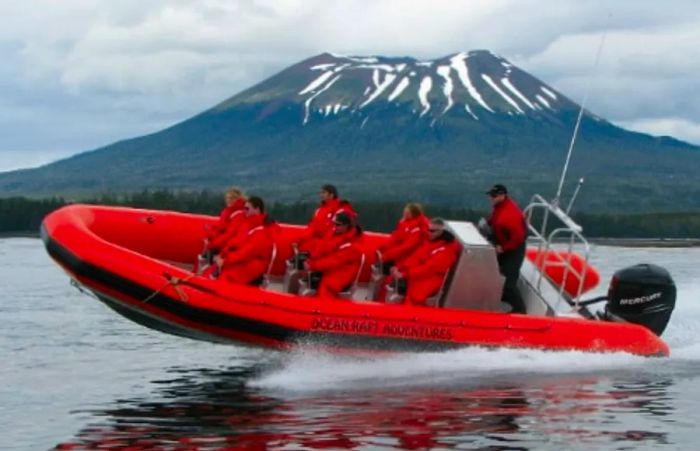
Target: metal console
475,282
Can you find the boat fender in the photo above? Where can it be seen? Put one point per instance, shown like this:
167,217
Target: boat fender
551,263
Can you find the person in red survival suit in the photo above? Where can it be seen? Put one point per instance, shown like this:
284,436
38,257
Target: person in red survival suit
426,269
236,219
410,233
509,233
230,219
247,261
234,202
321,223
337,257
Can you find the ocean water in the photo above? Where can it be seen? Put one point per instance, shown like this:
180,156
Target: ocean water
77,376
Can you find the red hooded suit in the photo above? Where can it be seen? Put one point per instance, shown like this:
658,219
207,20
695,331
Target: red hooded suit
249,261
230,221
321,223
338,257
405,239
425,270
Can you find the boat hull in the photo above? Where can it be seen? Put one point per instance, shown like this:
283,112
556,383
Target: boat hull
127,257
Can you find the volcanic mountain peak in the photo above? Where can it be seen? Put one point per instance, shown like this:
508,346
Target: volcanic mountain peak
473,84
434,131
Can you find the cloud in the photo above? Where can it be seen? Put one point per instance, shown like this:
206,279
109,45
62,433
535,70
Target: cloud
100,71
669,126
18,159
639,70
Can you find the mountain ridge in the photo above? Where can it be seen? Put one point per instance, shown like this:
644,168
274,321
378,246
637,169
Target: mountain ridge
428,130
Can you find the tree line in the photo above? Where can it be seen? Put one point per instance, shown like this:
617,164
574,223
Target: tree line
21,215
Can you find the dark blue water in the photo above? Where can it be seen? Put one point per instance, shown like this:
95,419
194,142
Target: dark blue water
77,376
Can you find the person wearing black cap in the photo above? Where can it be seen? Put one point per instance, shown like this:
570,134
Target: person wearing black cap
322,221
509,230
337,257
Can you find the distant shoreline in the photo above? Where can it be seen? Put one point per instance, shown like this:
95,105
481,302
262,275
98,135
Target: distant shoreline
19,234
619,242
646,242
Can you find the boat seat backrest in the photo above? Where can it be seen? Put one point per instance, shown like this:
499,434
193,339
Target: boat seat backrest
436,300
396,291
305,286
268,271
347,294
442,292
376,279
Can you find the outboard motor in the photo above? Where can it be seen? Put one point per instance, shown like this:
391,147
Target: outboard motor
643,294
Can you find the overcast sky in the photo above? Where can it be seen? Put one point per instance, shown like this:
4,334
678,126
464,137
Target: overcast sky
79,74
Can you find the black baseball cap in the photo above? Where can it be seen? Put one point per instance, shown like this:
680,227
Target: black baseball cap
342,218
331,189
497,189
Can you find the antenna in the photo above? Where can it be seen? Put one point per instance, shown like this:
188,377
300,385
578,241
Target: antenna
573,198
578,123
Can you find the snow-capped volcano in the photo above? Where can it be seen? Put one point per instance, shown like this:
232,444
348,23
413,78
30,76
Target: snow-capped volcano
474,84
436,131
437,85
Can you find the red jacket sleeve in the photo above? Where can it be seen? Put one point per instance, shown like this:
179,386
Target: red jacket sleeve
415,258
402,249
346,253
220,225
232,229
257,246
236,240
437,264
317,227
394,238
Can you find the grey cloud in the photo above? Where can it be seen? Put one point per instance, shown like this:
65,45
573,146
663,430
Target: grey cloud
88,73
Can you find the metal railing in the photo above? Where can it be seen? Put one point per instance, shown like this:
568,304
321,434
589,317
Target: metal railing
555,225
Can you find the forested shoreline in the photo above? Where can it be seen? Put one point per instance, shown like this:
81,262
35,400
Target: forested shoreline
21,216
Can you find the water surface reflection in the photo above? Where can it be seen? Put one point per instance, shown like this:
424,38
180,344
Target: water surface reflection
218,408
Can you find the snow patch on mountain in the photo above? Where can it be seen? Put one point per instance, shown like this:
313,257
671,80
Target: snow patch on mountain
458,62
496,88
317,82
425,86
471,113
447,87
548,92
322,66
543,101
403,84
384,67
307,104
380,87
371,81
506,82
357,59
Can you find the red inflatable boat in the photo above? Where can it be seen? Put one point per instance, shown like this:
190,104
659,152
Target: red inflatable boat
138,262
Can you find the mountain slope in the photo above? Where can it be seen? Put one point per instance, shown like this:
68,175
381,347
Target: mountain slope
389,128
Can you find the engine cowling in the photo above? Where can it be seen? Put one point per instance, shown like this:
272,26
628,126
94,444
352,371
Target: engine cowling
643,294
